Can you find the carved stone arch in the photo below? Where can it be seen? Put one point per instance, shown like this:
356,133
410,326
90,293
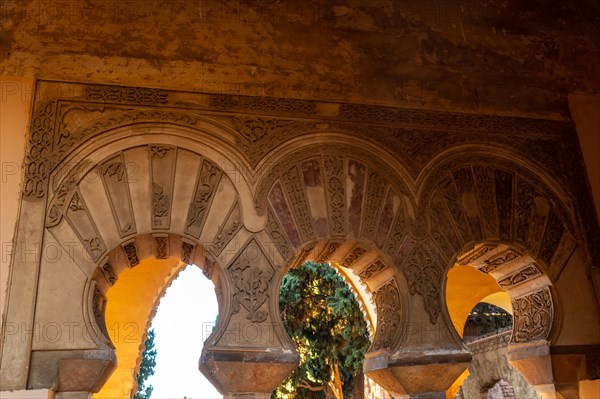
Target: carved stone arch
371,275
102,219
476,197
325,191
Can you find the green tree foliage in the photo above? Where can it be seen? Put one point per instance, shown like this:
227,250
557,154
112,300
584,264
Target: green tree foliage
486,318
146,368
324,320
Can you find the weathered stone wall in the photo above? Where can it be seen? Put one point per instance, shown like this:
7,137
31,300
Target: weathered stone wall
490,365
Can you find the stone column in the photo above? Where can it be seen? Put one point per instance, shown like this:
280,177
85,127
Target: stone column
249,353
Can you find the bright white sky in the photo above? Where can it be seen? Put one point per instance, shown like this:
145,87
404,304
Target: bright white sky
184,319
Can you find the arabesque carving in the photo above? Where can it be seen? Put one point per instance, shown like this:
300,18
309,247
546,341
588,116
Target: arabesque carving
135,95
206,185
423,277
387,299
252,283
520,277
499,260
533,315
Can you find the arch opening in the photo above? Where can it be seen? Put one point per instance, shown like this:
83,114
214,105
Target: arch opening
511,280
132,303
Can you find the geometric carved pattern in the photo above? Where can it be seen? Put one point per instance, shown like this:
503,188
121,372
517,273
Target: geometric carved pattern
38,163
336,194
131,254
533,315
375,192
136,95
423,276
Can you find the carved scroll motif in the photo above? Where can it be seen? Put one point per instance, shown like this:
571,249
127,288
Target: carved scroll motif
520,277
353,256
533,315
274,231
499,260
56,211
472,257
371,270
227,230
206,187
328,251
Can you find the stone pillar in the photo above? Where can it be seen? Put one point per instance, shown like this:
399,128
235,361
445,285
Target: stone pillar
532,360
249,354
416,350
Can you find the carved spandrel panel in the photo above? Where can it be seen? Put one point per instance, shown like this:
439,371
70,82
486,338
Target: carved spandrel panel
162,160
251,275
116,184
207,182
